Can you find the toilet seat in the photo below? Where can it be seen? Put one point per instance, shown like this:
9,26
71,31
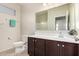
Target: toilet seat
19,43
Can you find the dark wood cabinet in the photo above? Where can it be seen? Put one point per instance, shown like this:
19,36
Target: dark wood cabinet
67,49
78,50
56,48
36,47
52,48
31,46
39,47
42,47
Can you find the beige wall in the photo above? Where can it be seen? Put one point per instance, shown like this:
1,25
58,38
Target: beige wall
7,31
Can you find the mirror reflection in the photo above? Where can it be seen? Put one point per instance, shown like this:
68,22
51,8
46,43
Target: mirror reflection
54,19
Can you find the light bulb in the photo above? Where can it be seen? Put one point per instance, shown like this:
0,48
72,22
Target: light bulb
43,23
44,4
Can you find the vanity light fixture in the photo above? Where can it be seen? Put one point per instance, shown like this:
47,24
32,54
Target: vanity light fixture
47,4
43,23
44,4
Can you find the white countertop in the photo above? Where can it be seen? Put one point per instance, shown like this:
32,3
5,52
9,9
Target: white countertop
50,37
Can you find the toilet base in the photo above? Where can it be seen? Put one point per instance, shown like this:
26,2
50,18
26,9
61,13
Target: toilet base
19,49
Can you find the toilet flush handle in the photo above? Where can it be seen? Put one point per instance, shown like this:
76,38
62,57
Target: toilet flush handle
9,38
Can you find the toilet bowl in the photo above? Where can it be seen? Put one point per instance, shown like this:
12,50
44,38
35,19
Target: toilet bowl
21,45
25,39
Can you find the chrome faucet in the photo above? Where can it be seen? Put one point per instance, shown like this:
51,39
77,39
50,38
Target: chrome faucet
60,34
76,39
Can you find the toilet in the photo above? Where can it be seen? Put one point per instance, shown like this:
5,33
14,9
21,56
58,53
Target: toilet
21,45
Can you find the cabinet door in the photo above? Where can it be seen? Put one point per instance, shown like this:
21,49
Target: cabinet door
31,46
78,49
39,47
52,48
68,49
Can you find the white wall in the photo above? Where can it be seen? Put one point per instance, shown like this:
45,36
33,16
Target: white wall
72,16
76,16
28,16
7,31
76,6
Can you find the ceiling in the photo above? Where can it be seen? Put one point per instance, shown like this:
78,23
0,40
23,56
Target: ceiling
39,6
30,4
36,4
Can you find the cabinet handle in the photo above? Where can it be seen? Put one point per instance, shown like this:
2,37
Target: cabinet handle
62,45
58,45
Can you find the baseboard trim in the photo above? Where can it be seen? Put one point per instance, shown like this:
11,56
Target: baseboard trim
6,49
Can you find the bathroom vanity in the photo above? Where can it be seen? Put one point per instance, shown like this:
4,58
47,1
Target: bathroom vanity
57,42
51,47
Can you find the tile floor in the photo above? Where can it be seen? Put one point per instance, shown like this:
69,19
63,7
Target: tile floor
11,52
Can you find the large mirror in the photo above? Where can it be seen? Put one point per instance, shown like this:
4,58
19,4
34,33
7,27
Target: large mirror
56,19
41,20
